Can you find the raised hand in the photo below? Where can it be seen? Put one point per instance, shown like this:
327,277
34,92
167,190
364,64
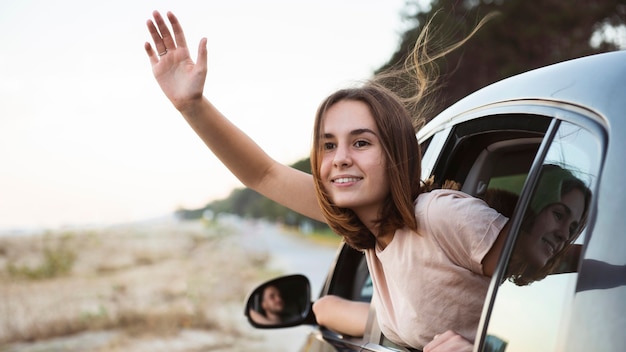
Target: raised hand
179,77
182,81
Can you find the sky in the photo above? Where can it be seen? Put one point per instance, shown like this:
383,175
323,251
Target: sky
86,135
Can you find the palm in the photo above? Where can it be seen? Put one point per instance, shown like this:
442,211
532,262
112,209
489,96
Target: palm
179,77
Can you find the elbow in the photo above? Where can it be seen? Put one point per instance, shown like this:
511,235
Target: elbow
321,308
318,311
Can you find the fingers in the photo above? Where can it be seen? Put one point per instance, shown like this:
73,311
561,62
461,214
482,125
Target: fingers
151,54
448,341
202,53
166,39
154,33
179,35
162,37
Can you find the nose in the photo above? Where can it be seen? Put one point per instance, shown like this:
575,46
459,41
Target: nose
562,234
342,157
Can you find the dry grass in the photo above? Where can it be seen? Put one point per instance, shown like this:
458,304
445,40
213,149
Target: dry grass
141,282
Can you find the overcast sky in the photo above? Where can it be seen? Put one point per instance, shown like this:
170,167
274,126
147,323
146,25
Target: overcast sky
87,137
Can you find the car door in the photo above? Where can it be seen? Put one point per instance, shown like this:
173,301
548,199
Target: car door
497,147
534,316
348,278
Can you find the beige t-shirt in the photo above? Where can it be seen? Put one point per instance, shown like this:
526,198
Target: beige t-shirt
432,281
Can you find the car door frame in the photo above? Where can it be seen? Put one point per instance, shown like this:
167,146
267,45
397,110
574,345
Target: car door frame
559,112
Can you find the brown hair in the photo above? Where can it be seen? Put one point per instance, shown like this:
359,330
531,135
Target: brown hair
397,115
402,161
555,182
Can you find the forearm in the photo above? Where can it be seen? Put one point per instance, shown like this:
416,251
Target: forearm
249,163
183,81
342,315
242,156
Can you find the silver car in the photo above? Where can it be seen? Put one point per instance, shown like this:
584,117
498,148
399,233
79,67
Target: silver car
500,137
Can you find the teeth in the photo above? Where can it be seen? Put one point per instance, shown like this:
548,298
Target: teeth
346,180
550,245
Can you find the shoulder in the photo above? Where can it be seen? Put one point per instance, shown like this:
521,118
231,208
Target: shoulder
454,212
463,226
444,193
447,199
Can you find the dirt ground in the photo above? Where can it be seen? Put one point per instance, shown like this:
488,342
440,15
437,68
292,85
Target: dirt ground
160,287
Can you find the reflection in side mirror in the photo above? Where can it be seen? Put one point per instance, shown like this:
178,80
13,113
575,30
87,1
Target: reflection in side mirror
279,303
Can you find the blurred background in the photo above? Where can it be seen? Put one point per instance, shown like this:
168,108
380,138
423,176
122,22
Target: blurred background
88,141
86,136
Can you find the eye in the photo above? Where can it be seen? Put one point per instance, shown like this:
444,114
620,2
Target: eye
329,146
558,215
361,143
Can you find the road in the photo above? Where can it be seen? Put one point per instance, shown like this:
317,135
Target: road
291,255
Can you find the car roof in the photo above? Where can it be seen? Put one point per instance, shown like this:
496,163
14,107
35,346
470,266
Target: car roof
596,83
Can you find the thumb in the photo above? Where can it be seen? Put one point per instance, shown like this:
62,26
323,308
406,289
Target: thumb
202,54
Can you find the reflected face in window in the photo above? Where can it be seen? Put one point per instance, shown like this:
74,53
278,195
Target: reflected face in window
272,300
553,228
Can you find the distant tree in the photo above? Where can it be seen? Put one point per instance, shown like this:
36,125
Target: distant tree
247,203
525,35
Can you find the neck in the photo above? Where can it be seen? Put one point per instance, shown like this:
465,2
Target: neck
384,240
273,317
369,218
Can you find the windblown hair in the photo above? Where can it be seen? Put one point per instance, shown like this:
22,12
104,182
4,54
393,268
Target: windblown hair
397,116
402,162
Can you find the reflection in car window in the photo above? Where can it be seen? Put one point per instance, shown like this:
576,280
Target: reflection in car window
526,314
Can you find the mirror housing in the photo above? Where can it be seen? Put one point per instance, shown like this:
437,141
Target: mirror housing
280,303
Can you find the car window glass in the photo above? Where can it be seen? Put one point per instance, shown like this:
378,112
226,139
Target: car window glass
511,183
527,314
363,288
367,290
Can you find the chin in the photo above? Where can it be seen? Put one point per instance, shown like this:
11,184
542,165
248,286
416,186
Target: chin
535,264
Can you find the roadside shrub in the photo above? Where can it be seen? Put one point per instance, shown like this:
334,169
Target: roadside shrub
57,261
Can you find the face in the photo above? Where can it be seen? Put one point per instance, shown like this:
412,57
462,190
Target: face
552,229
353,164
272,300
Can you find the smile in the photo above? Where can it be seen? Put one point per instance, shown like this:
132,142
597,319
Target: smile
550,245
342,180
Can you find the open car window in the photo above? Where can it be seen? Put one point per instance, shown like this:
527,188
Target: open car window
535,286
487,148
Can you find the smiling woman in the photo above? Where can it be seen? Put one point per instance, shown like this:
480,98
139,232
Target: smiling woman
366,185
557,214
352,164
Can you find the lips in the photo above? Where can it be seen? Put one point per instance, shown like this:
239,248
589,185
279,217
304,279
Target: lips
344,180
550,245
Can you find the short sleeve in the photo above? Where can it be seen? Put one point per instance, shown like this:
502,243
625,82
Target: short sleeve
463,226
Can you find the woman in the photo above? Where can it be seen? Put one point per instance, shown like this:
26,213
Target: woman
366,169
555,217
365,185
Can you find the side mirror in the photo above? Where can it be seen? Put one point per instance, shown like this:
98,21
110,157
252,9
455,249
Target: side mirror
280,303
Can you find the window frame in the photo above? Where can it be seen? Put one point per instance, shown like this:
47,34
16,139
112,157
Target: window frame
559,113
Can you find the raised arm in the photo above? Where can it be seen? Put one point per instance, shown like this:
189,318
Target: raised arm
182,81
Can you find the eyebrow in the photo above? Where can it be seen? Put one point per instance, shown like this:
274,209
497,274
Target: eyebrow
567,209
358,131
